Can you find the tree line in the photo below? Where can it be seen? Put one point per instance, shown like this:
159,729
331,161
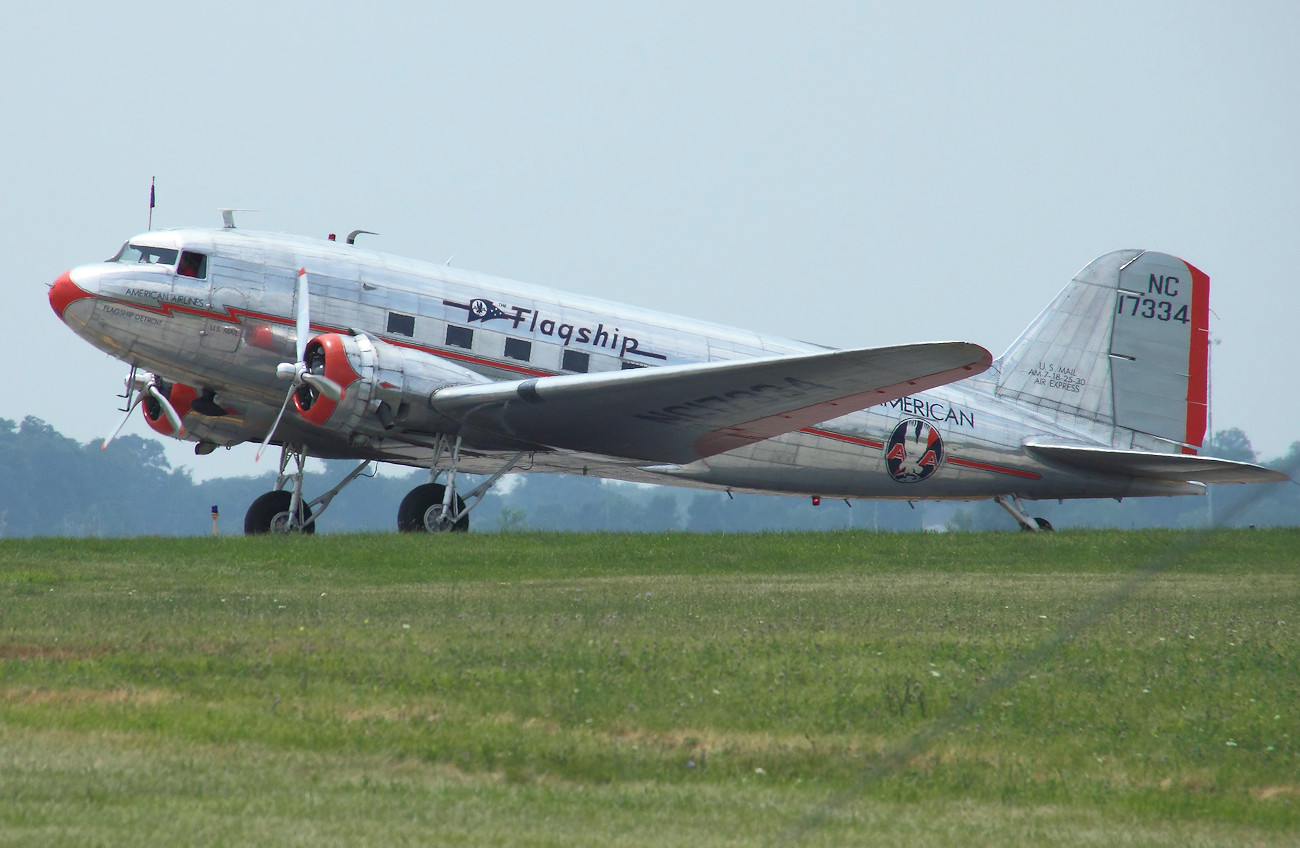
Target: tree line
56,486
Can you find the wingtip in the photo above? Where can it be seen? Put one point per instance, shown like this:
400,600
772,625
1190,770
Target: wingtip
982,361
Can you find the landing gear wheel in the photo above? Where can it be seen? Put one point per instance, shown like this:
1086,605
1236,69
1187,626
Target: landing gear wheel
270,514
1043,523
421,511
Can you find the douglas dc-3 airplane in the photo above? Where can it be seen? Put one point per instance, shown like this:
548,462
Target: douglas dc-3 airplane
394,360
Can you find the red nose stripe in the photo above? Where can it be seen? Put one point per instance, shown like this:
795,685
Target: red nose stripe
64,292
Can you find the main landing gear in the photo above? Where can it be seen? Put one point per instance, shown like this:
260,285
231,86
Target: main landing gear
286,510
1015,506
434,507
437,507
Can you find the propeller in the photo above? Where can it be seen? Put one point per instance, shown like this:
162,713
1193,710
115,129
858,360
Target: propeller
142,384
298,373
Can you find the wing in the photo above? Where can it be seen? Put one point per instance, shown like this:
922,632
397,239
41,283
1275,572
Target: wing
681,413
1157,466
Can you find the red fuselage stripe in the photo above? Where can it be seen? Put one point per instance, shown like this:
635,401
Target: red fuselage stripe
965,463
999,469
840,437
465,357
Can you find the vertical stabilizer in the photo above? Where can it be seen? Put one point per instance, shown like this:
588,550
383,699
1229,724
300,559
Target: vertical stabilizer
1125,345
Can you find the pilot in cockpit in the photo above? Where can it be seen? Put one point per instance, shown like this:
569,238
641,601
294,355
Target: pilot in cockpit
191,264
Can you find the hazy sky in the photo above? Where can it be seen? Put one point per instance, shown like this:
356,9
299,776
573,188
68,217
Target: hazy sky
846,173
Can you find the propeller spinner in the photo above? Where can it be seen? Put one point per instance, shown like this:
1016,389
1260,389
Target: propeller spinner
143,385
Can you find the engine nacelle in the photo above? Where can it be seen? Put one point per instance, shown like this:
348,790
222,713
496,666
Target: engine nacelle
384,385
180,396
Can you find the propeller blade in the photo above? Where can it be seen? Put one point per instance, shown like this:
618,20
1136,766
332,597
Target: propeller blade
168,410
271,432
324,385
304,314
135,401
297,372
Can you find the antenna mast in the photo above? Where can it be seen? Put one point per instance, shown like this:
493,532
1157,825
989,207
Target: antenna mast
152,199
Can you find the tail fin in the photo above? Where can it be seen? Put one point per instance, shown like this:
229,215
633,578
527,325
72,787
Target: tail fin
1124,346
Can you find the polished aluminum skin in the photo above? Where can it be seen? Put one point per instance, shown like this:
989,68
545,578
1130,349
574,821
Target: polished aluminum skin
1104,395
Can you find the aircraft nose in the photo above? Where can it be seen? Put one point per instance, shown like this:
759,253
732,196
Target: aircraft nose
63,292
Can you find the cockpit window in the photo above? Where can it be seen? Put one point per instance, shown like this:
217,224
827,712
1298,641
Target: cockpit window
143,254
193,265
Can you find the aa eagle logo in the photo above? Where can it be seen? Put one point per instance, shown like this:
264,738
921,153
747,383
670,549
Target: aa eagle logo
483,310
914,451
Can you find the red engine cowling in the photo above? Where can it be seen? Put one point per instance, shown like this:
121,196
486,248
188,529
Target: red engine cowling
326,355
180,396
384,385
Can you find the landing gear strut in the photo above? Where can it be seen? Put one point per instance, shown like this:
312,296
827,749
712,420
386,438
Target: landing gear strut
285,510
437,507
434,507
422,511
271,512
1015,506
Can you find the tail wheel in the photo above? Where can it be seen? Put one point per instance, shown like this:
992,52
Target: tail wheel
421,511
270,514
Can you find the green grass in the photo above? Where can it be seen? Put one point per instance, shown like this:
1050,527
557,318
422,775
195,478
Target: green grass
552,689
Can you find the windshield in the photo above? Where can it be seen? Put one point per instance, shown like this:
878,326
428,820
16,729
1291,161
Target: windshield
145,255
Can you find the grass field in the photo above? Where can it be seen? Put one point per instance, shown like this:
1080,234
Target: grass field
1077,688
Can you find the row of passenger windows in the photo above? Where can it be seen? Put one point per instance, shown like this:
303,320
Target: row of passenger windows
520,350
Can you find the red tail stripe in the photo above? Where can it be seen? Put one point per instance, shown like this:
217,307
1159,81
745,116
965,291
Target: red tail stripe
1198,361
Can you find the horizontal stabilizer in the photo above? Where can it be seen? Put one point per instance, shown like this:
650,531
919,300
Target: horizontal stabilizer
1156,466
681,413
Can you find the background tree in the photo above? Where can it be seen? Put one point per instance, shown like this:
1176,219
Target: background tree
57,486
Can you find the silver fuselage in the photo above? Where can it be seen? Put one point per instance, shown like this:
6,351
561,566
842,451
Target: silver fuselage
226,332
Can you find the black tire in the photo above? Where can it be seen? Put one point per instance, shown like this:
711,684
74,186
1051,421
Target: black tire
1044,524
262,513
416,505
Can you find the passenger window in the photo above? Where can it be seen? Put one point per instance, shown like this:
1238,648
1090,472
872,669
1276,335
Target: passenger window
575,360
518,349
402,325
460,337
193,265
